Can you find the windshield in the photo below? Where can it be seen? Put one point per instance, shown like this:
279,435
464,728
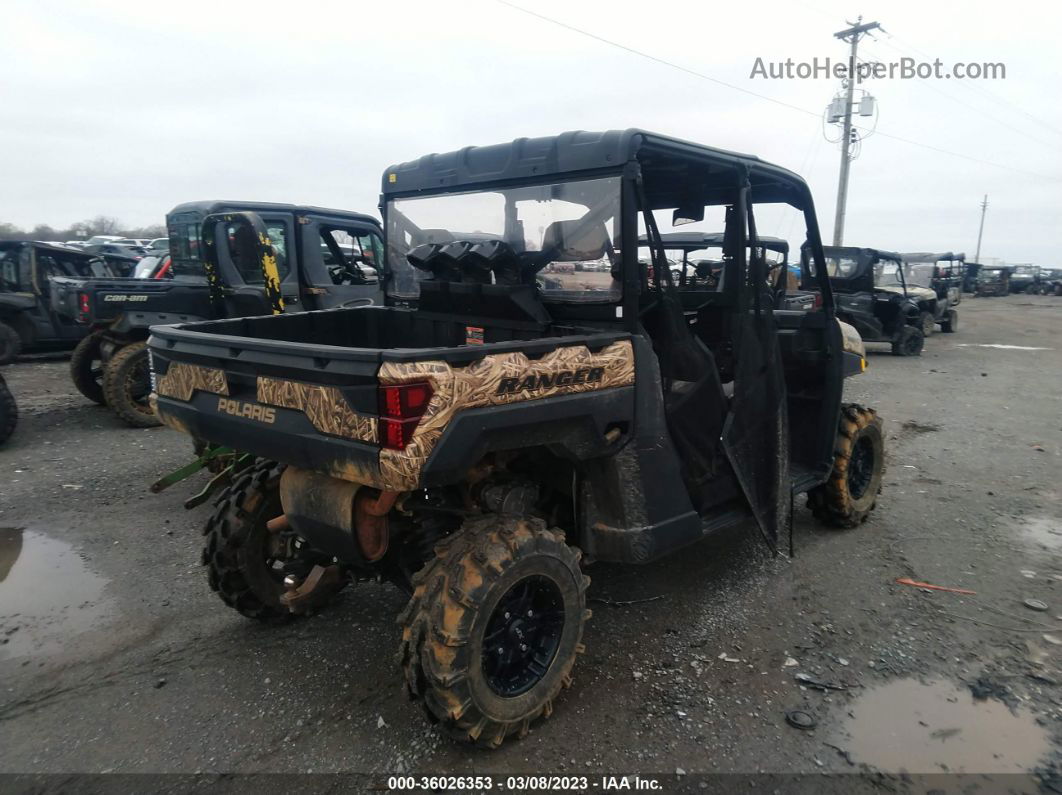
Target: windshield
887,274
566,231
919,274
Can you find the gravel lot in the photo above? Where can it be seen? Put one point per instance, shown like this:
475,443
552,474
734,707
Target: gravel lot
116,657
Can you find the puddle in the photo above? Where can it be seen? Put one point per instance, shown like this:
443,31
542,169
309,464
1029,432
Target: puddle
1043,530
47,594
935,727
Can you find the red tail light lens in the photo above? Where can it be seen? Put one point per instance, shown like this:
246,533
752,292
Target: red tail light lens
83,307
401,408
818,300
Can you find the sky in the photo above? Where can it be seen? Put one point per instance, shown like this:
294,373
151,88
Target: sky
129,108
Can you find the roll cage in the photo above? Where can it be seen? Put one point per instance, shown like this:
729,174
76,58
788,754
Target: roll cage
656,173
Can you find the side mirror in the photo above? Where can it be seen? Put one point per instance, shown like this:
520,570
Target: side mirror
687,215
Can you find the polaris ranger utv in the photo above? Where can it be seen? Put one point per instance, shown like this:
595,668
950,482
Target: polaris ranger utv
323,259
483,436
873,296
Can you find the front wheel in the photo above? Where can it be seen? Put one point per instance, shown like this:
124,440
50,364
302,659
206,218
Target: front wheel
909,341
493,628
8,412
86,368
950,323
850,494
10,344
928,323
127,385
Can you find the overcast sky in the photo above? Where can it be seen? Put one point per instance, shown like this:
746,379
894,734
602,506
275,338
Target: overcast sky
128,108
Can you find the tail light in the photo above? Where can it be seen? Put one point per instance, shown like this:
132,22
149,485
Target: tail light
401,408
84,309
818,300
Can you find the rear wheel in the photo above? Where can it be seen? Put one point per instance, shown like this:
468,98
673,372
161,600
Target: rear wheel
8,412
10,344
850,494
909,341
244,560
493,628
927,322
127,385
950,323
86,368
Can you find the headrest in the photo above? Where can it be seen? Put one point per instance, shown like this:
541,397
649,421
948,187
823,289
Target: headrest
573,241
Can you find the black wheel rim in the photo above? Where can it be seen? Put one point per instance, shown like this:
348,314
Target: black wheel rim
139,383
523,635
860,467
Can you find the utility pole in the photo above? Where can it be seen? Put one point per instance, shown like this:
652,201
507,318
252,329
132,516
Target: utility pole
984,206
851,35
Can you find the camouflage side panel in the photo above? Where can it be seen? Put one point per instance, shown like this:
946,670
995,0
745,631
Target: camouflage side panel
184,380
495,380
324,406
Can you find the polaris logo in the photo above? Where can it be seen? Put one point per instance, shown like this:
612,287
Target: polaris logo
251,411
115,297
533,383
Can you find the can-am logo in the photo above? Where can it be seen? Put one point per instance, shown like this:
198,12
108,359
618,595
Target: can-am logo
533,383
251,411
115,297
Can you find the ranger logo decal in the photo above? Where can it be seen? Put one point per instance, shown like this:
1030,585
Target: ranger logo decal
251,411
584,375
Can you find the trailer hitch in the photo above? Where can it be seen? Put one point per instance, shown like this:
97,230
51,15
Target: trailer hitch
225,461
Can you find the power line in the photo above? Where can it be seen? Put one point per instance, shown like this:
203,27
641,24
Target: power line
782,103
978,111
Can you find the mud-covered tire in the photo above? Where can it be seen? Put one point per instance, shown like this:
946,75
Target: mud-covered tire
236,551
8,412
444,626
123,382
86,368
950,323
909,341
851,492
927,323
10,344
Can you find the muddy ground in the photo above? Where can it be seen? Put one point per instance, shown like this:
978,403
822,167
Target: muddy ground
116,657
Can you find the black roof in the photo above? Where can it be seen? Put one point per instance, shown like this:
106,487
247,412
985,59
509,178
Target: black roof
208,206
572,153
856,252
695,240
46,246
928,256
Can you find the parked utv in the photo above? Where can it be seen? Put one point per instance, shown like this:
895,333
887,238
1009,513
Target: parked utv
943,274
27,317
872,295
322,259
1050,281
1024,278
483,436
993,280
696,261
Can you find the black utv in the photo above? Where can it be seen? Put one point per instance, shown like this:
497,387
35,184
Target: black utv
872,295
993,280
321,259
484,436
28,319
